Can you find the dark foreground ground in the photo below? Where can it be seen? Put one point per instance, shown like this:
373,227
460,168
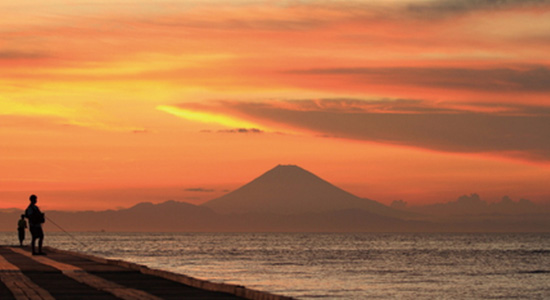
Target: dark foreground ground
67,275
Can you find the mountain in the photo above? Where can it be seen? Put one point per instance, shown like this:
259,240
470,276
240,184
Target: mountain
289,189
145,216
474,205
172,216
469,210
288,198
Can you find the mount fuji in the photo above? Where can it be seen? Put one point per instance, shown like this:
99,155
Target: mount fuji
289,189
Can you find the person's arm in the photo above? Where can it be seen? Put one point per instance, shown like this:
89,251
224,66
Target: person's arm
28,212
31,214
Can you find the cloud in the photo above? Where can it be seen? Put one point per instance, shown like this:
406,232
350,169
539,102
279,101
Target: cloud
11,55
42,120
253,36
515,131
241,130
473,205
230,19
348,105
526,79
441,8
387,106
399,204
140,131
199,190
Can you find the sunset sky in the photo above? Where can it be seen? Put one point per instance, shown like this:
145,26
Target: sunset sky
107,103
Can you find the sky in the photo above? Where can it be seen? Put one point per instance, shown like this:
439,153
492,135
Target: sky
104,104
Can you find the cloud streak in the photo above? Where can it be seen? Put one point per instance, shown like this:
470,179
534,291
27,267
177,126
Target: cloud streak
199,190
241,130
17,55
450,7
526,79
514,131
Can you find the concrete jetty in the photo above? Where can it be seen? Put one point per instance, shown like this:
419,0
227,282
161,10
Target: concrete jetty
70,275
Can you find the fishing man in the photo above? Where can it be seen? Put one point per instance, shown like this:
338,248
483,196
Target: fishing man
36,218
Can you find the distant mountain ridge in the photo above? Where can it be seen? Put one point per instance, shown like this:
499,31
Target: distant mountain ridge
473,205
288,198
173,216
289,189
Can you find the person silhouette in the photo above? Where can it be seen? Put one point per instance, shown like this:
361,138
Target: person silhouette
21,226
36,218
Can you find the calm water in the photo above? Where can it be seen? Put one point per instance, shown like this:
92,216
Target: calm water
340,266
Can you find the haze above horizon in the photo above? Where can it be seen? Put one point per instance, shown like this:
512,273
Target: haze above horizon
105,105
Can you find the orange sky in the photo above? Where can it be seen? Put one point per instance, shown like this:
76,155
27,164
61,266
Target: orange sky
104,104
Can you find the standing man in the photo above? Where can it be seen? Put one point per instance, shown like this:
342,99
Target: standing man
21,226
36,218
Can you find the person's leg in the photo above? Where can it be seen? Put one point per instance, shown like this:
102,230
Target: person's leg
34,236
40,239
32,244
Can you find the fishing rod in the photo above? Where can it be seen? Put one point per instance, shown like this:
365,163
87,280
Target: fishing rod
81,243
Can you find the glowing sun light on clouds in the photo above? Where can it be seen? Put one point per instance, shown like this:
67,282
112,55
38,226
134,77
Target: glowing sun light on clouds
210,117
421,100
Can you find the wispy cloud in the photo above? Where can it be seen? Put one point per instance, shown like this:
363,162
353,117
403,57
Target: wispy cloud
241,130
13,55
199,190
207,114
514,131
14,114
442,8
521,79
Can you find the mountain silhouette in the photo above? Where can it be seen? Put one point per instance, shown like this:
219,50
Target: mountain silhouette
166,216
173,216
289,189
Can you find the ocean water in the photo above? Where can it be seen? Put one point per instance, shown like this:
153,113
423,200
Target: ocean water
339,266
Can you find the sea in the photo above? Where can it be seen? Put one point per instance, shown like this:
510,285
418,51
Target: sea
338,265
